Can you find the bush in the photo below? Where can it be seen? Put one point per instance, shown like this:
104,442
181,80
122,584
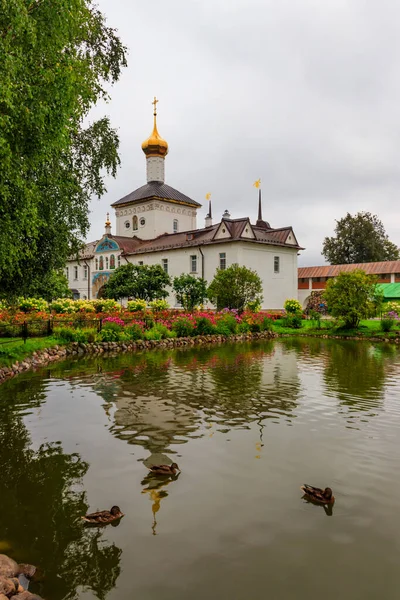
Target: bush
243,327
134,332
158,332
111,334
158,305
69,334
223,329
267,324
235,287
228,320
183,327
32,305
315,318
137,305
254,306
63,306
190,291
106,305
352,296
293,307
204,326
294,322
388,320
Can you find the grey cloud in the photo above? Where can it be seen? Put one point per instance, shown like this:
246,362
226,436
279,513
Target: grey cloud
303,94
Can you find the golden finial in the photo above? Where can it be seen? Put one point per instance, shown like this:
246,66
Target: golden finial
155,145
257,183
208,195
108,219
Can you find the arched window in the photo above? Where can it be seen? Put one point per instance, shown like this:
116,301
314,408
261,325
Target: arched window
135,223
176,226
101,263
112,261
107,263
97,264
119,260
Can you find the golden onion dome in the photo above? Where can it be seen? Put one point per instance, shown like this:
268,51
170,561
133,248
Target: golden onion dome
155,145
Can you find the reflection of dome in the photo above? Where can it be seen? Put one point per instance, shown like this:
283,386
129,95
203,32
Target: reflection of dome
155,145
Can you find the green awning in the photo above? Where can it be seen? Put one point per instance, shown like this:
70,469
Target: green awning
391,291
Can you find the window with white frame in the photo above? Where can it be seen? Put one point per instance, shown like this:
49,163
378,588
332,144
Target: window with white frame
134,223
106,262
222,260
140,263
97,264
85,272
276,264
75,272
193,263
176,226
119,260
67,272
164,264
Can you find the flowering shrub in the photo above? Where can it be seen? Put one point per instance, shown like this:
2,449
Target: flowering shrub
103,305
183,327
134,332
158,305
254,306
64,306
28,305
293,307
388,320
392,307
113,321
137,305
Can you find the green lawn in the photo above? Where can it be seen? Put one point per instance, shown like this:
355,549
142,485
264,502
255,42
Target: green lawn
367,328
15,349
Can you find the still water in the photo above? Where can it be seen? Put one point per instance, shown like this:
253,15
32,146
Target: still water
247,424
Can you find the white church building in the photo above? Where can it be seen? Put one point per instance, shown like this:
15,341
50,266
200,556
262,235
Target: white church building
157,224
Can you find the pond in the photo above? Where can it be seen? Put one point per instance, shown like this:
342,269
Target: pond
247,424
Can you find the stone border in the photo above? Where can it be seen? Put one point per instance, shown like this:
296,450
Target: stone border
44,357
41,358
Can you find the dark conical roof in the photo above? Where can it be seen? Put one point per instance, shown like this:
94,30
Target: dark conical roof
156,189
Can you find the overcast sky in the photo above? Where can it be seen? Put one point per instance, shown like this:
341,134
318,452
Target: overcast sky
301,93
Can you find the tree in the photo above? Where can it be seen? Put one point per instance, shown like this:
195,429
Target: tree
352,296
359,239
53,285
190,291
235,287
137,281
57,60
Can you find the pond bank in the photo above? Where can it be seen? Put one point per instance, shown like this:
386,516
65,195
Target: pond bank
59,352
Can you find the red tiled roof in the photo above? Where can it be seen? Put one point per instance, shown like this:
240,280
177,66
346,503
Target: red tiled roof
376,268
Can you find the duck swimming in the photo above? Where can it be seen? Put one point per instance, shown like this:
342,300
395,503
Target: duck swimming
164,469
104,517
318,495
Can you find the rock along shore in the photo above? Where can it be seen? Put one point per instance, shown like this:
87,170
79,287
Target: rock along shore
44,357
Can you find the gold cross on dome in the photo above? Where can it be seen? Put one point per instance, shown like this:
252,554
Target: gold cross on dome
155,105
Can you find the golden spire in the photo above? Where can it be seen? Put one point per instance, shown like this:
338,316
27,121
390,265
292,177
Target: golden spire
155,145
108,222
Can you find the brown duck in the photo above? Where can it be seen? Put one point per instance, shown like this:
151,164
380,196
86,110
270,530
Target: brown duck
104,517
164,469
318,495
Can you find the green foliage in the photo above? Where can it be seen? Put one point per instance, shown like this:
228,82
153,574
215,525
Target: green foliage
57,61
292,321
158,305
138,281
351,296
315,318
137,305
229,322
223,329
104,305
235,287
183,327
158,332
293,307
190,291
267,324
28,305
204,326
63,306
53,284
392,306
243,327
360,238
254,306
70,334
111,332
387,323
134,332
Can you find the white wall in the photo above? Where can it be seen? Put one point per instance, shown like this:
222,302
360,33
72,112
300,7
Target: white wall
159,217
277,287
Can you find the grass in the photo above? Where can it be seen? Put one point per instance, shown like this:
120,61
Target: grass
15,349
366,329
